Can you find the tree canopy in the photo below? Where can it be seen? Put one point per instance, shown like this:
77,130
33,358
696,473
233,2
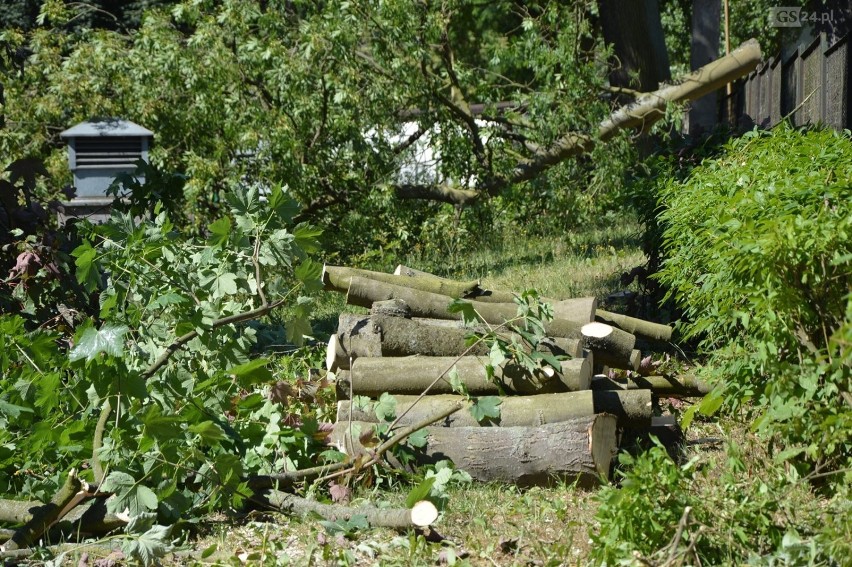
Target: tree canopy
327,98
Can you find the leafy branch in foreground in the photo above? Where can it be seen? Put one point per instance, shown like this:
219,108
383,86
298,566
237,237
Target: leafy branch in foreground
166,362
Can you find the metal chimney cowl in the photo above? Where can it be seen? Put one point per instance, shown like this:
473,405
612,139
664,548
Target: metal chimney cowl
98,151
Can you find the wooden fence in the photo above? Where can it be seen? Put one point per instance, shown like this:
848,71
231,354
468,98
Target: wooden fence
811,86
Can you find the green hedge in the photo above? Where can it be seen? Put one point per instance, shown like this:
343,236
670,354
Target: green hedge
758,246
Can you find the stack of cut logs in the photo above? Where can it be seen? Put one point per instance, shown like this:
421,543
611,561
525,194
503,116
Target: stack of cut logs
560,423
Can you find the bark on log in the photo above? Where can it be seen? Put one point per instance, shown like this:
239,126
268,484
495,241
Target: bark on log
562,308
413,374
580,309
88,518
687,386
364,293
421,515
580,448
638,327
337,278
632,408
43,516
612,347
395,336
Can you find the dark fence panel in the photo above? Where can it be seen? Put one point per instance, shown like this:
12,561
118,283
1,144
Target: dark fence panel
810,86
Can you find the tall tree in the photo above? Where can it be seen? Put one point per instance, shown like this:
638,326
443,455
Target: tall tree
634,29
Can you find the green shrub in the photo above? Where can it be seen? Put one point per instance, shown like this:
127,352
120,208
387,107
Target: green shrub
758,247
642,514
730,508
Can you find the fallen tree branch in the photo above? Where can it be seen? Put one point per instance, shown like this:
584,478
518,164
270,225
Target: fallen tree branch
642,113
43,516
421,514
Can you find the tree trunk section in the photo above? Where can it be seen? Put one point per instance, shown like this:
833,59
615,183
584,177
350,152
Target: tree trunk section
612,347
396,336
580,449
364,293
632,408
686,386
396,518
639,327
633,27
706,15
414,374
338,278
580,310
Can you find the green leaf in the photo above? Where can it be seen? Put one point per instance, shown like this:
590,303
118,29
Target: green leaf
497,354
149,547
455,382
209,431
711,403
129,495
418,439
220,230
419,492
165,300
225,284
12,410
486,407
688,416
252,372
284,206
297,329
87,270
385,407
309,273
109,340
789,453
306,238
465,308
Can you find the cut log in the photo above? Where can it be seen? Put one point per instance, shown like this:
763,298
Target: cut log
422,514
635,360
632,408
639,327
686,386
578,449
364,292
414,374
398,336
611,346
580,310
338,278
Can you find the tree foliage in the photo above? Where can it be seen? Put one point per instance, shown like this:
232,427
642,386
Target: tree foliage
758,249
331,100
166,361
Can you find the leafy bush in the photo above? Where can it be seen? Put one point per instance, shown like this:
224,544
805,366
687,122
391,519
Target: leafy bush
759,256
731,509
167,358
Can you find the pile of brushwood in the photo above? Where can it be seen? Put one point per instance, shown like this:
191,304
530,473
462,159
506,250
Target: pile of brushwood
548,387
